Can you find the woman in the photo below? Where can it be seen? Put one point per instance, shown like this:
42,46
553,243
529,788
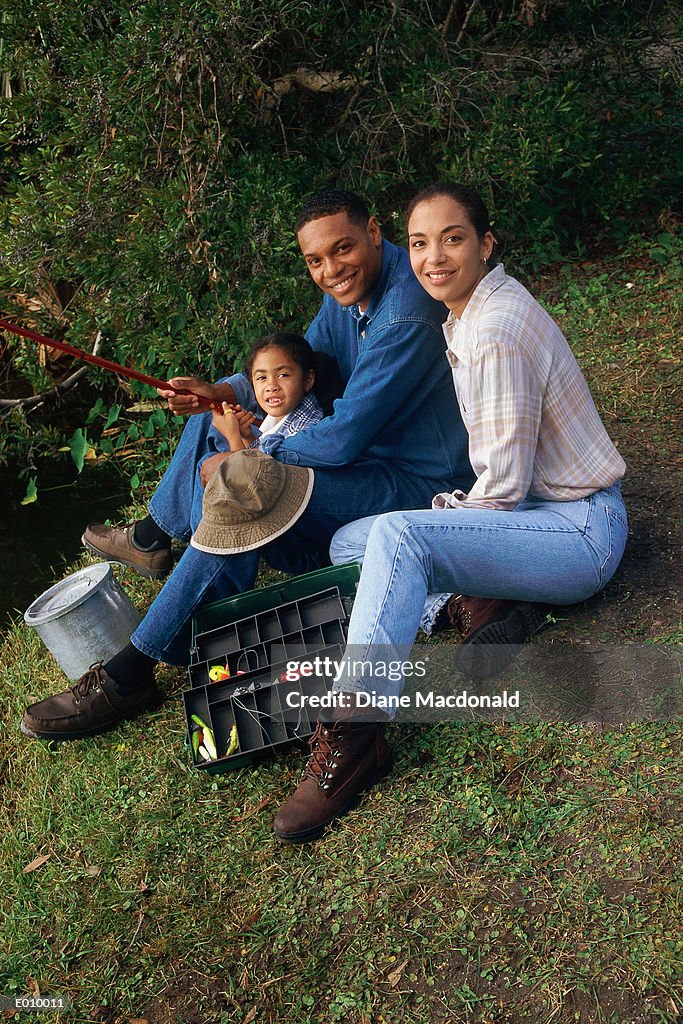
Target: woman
544,521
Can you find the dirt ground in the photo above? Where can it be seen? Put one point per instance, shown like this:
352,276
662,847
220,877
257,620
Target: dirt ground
644,600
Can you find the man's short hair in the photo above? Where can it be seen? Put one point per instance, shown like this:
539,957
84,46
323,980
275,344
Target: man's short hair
331,201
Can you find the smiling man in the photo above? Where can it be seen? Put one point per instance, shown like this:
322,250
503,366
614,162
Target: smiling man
395,439
343,261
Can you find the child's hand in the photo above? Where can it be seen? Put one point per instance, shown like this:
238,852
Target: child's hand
245,420
225,421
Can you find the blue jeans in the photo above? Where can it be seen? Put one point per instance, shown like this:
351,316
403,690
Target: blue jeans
340,495
544,551
349,545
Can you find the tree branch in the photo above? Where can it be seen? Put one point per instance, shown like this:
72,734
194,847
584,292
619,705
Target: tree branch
449,18
466,21
33,401
304,78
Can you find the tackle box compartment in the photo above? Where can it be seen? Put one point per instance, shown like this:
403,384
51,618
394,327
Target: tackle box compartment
254,636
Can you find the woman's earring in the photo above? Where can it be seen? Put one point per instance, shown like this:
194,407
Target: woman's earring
484,260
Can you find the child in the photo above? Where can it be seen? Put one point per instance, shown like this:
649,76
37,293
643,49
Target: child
253,499
281,368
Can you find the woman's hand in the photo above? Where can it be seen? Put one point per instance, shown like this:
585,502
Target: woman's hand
186,405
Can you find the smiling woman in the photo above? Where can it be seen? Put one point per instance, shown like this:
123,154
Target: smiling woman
450,243
544,521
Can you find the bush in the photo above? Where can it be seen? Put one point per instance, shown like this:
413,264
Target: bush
154,155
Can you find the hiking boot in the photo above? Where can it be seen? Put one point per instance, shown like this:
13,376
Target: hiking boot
117,544
90,706
492,631
347,757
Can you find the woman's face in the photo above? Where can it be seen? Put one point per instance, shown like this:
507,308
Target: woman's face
446,253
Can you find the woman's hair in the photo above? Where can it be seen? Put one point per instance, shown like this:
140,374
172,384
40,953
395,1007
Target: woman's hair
328,383
471,202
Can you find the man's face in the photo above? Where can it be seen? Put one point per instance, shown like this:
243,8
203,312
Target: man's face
344,258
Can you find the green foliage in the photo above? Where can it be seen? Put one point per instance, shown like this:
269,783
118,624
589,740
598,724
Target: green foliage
31,492
153,156
24,444
530,864
79,447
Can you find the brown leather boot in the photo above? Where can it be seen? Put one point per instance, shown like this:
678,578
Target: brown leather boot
492,631
347,757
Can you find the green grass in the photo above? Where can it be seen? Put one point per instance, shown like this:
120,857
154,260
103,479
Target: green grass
503,873
623,317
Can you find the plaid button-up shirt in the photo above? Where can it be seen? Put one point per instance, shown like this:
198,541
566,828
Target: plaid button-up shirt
307,412
532,424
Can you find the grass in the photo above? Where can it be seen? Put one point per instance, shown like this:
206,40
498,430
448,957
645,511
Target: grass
503,873
623,318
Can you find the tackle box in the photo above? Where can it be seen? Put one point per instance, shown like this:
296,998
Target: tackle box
253,637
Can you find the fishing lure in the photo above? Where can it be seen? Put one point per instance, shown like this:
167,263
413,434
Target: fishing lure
206,745
218,673
233,743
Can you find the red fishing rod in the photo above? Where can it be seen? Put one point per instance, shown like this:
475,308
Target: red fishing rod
106,364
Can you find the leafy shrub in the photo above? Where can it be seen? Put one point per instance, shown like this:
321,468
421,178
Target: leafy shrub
153,156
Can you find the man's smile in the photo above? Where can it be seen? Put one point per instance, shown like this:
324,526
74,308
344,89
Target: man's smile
341,285
343,256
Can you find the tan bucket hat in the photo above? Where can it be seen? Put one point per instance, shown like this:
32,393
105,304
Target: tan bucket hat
250,500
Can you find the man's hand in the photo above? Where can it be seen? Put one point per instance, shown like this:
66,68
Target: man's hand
186,405
210,465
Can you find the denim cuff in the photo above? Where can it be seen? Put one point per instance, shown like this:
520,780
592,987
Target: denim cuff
432,607
271,444
243,391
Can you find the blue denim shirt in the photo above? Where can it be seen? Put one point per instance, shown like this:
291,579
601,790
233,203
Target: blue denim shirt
399,404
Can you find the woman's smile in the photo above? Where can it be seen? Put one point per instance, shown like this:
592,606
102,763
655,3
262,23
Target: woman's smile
438,276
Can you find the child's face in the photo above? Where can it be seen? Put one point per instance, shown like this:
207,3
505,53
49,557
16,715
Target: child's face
279,383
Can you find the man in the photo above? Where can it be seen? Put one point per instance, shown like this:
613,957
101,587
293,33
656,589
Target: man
395,439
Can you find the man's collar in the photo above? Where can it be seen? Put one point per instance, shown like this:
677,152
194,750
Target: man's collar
389,261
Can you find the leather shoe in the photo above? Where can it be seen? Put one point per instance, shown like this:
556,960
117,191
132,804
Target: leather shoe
492,631
117,544
92,705
347,757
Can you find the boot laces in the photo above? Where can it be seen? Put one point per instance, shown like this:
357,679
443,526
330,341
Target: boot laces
459,614
323,763
89,682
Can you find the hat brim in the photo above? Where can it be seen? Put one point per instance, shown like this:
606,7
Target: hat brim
225,539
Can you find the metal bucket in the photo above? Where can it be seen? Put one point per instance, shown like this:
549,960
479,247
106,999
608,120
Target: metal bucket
84,619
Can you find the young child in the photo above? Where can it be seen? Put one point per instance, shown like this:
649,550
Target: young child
281,368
